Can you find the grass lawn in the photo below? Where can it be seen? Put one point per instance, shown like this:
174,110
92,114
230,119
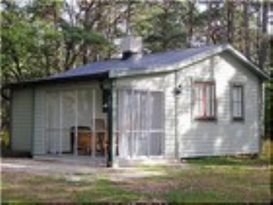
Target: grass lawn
214,179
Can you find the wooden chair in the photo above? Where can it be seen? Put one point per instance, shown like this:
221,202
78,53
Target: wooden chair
102,139
101,136
84,139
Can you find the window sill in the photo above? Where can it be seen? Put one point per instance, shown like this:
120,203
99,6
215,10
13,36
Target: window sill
209,119
238,119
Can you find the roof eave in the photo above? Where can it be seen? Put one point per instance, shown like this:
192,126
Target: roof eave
44,81
259,72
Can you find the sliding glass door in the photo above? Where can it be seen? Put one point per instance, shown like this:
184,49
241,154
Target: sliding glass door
140,123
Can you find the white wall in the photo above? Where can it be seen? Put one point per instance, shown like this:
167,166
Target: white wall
223,136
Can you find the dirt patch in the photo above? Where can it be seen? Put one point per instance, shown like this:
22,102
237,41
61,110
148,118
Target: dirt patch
47,167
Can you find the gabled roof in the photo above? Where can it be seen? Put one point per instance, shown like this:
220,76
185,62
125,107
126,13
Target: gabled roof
179,59
150,63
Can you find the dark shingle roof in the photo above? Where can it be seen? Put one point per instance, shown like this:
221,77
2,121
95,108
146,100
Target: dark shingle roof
144,62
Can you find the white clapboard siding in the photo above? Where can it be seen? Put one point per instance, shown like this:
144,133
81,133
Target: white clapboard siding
22,119
223,136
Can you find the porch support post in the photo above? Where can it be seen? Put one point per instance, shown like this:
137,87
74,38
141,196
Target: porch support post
111,117
176,98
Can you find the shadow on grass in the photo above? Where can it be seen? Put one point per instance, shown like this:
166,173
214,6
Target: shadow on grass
178,196
264,159
231,161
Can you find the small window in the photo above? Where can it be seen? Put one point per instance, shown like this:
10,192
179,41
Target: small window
237,102
204,101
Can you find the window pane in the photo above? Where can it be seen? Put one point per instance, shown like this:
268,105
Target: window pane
237,101
239,108
234,109
208,100
234,94
239,90
204,104
199,101
212,100
198,104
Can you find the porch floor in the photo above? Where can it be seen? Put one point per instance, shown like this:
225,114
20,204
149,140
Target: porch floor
74,160
101,161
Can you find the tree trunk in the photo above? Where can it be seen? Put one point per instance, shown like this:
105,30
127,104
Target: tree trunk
230,21
264,41
190,23
246,29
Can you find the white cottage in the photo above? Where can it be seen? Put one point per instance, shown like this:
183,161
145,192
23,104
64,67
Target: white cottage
170,105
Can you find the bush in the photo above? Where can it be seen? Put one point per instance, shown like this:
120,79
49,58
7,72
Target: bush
4,138
267,147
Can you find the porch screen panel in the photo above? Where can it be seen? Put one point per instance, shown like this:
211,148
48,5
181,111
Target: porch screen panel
85,107
124,123
68,119
52,141
86,117
140,123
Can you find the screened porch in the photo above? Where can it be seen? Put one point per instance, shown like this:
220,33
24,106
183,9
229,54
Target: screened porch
76,123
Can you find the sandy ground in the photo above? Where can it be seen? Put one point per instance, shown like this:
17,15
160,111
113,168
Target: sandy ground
45,167
73,171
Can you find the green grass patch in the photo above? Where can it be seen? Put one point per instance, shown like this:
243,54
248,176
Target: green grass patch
211,179
179,196
104,191
264,159
230,161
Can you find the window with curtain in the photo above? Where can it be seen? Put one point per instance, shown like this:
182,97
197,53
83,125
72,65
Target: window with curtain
204,100
237,102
